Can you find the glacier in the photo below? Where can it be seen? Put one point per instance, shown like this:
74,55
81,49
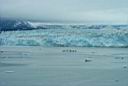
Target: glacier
68,36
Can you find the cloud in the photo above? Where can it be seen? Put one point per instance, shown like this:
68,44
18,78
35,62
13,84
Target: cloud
109,11
113,15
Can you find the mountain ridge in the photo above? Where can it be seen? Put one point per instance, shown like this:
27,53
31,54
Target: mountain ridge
15,24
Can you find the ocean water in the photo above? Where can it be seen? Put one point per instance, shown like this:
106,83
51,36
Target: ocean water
39,66
67,36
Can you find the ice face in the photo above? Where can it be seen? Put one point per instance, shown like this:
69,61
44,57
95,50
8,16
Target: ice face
67,36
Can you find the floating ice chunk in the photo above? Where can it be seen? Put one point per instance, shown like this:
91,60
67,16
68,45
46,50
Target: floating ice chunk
9,71
88,60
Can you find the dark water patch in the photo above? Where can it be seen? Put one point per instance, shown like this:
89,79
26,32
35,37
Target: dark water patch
121,58
124,66
2,64
120,62
14,54
1,51
116,80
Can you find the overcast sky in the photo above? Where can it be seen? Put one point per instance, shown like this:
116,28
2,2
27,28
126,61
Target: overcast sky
81,11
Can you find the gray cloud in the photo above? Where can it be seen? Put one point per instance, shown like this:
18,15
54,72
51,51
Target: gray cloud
88,11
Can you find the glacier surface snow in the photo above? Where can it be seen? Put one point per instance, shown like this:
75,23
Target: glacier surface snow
67,36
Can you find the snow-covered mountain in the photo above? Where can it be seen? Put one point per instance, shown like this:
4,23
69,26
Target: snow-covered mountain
13,24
